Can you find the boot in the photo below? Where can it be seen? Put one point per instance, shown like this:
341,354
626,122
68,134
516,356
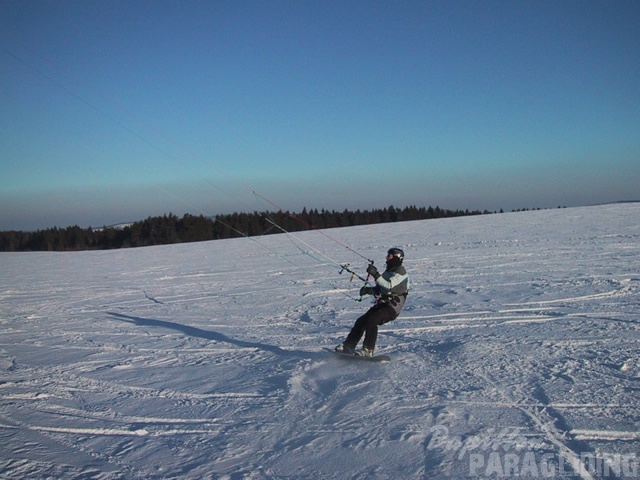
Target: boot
346,349
365,352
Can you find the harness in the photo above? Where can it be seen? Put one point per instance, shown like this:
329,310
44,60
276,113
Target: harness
392,299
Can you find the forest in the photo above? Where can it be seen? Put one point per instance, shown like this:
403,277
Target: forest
169,228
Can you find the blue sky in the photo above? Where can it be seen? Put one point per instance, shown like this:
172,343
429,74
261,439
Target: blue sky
115,110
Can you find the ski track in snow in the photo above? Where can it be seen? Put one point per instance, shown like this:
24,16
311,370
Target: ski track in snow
206,360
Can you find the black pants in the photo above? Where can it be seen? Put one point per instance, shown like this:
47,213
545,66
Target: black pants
368,323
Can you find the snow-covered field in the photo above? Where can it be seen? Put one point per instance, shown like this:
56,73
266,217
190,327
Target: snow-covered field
516,356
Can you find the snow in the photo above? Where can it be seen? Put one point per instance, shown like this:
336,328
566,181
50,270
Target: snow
516,355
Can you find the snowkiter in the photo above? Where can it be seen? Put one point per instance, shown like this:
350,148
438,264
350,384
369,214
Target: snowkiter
391,289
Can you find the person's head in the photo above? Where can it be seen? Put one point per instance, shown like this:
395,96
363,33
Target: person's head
395,256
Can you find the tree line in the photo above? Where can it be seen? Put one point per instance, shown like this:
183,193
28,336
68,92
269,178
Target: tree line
169,228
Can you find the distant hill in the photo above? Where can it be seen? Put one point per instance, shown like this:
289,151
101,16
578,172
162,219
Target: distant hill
169,228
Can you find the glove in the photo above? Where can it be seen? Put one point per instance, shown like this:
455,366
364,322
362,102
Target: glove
365,291
373,271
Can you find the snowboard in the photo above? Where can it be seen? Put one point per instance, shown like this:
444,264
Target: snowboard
348,356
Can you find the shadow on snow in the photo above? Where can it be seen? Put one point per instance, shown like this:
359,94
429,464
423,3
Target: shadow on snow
215,336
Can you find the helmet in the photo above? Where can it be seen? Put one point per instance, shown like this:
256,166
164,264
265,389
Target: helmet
396,252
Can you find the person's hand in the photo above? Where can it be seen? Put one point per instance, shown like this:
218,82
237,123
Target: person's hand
365,291
373,271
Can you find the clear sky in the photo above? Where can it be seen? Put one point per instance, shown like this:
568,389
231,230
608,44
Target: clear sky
114,110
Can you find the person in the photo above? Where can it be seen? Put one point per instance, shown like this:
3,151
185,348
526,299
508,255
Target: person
391,290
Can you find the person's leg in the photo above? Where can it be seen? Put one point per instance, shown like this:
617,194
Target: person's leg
378,316
358,329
